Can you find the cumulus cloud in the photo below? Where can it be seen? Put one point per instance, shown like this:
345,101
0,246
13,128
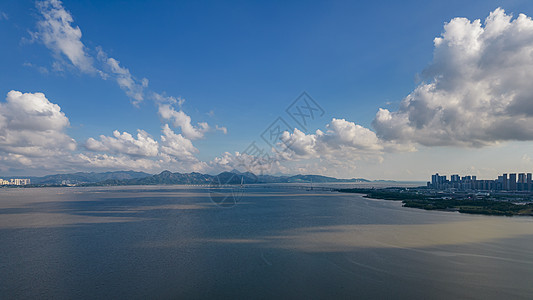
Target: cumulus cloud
183,121
477,91
118,162
33,136
342,139
172,148
32,133
244,162
339,147
30,125
276,164
176,146
344,133
125,143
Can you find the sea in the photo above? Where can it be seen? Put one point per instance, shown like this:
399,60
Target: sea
252,242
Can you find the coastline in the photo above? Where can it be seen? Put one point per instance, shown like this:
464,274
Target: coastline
425,202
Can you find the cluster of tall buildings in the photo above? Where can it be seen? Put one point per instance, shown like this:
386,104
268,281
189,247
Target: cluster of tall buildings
14,181
505,182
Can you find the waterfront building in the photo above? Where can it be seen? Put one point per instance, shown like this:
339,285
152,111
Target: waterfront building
15,181
512,182
505,182
521,183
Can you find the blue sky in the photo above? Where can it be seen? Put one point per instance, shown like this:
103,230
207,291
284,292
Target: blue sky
238,65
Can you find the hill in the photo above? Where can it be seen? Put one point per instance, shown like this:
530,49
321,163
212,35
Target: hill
233,177
84,177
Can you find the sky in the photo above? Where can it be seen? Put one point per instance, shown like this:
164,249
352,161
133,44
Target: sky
379,90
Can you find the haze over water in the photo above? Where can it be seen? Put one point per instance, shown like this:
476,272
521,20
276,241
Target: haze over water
278,242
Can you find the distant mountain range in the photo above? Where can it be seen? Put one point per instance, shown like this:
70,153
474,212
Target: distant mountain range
84,177
167,177
233,177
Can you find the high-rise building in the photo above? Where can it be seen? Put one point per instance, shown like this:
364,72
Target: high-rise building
499,183
505,182
434,180
521,184
512,182
15,181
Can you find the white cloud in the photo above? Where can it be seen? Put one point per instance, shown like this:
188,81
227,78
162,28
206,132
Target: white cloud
3,16
335,151
33,137
183,121
477,91
119,162
342,139
56,31
244,162
32,130
285,165
303,145
59,35
163,99
132,87
176,146
125,143
125,81
344,133
172,148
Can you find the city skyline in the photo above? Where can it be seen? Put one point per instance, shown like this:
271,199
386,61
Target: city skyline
504,182
190,87
15,181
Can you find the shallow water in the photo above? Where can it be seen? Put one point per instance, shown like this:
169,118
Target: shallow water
277,242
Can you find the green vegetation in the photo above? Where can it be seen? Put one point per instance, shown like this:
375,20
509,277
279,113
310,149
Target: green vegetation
414,199
485,207
387,194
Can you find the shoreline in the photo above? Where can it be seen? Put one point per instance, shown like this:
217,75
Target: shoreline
472,206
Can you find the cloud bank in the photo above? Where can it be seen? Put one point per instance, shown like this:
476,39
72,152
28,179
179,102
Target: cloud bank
33,135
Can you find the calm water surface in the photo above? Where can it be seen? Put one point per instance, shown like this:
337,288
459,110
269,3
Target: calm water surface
278,242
